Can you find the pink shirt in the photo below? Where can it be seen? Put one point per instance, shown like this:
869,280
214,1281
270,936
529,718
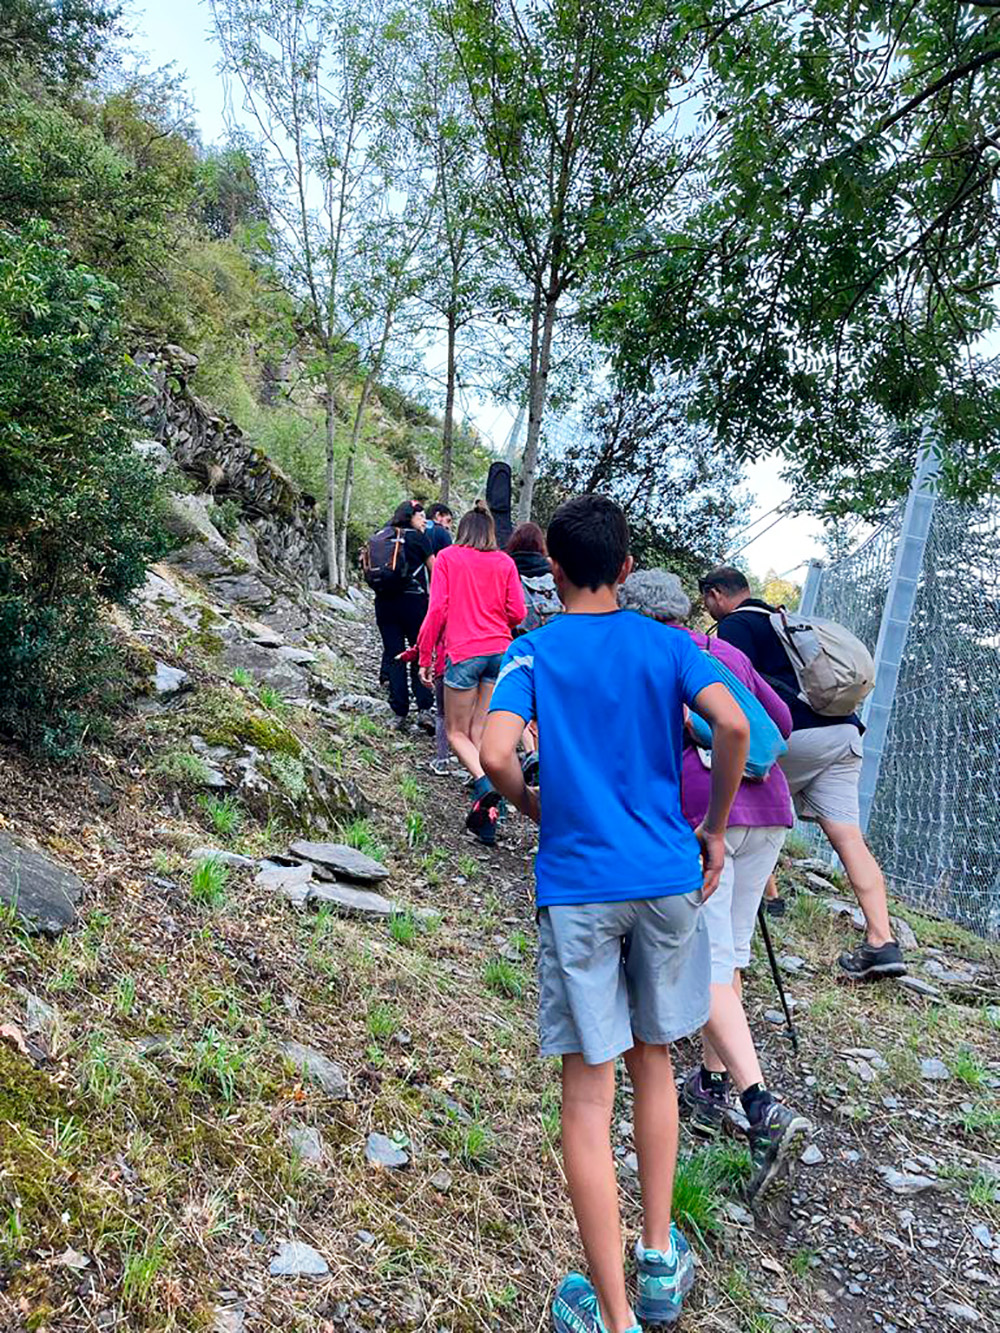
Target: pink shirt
764,804
476,596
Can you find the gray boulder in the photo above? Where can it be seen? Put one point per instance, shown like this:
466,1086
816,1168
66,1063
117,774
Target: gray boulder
243,590
334,603
305,1142
341,859
168,680
352,902
43,893
381,1151
187,517
359,703
316,1068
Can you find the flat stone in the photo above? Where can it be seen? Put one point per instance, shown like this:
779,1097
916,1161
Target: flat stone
811,1155
863,1070
168,680
981,1232
964,1314
263,635
381,1151
295,1259
243,590
41,1018
233,859
228,1319
316,1068
341,859
818,882
920,987
441,1181
305,1142
360,703
332,602
297,656
935,1070
860,1052
631,1163
292,881
901,1182
43,893
789,962
774,1016
946,975
903,932
350,902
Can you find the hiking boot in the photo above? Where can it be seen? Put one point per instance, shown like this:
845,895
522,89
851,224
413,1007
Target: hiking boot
775,906
444,768
482,818
706,1110
663,1283
868,963
576,1309
529,767
776,1141
400,724
426,720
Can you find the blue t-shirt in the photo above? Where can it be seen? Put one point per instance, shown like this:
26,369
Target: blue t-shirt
606,691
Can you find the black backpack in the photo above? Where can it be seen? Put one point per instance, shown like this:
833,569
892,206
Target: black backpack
384,560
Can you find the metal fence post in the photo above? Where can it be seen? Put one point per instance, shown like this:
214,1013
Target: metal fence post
811,587
897,611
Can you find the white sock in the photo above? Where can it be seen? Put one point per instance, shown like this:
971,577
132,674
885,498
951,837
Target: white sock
668,1253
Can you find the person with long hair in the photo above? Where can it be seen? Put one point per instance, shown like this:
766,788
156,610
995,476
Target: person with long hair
399,615
477,601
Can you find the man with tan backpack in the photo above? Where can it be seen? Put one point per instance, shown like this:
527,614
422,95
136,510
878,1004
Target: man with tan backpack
822,672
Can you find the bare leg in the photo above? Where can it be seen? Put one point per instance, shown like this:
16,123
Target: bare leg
588,1100
655,1120
771,887
459,711
726,1038
481,712
866,877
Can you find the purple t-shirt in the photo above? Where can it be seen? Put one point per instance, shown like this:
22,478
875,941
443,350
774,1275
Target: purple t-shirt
764,804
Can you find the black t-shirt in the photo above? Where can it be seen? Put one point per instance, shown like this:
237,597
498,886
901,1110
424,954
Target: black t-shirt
438,535
418,552
752,634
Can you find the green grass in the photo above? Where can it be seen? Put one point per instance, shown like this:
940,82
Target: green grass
505,978
416,829
102,1072
357,728
208,882
244,678
802,1260
403,927
125,996
736,1286
271,699
360,835
409,789
701,1182
968,1067
383,1021
140,1271
807,913
217,1064
187,770
467,866
983,1191
225,814
472,1143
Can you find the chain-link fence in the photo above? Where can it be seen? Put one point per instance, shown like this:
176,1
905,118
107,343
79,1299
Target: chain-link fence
935,821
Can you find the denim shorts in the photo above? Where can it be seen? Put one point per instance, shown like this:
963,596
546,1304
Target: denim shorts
474,671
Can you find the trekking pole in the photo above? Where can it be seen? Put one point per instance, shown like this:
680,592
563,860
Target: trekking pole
777,977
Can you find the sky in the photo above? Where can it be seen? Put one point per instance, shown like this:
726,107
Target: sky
178,32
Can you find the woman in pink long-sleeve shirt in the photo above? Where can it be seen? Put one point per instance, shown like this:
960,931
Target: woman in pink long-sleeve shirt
477,599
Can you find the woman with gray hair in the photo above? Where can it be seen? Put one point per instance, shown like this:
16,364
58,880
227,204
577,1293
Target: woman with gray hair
760,816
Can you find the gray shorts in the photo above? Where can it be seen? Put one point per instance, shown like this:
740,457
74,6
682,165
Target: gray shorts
610,974
823,768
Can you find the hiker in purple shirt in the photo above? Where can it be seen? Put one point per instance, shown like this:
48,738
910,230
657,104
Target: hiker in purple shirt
760,816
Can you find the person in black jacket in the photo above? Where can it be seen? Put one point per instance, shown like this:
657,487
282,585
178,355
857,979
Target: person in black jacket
823,766
399,616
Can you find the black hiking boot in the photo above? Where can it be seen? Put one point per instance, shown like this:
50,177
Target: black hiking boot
774,906
482,818
776,1141
706,1110
427,720
870,964
529,767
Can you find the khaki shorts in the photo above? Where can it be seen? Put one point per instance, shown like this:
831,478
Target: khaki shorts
731,911
823,768
610,974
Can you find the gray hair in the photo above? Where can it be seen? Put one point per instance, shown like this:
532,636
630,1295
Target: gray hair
655,593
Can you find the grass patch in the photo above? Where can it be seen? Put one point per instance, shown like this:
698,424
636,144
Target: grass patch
505,978
416,829
360,835
701,1182
140,1272
803,1260
208,882
472,1143
467,866
403,927
217,1065
968,1067
382,1021
225,814
409,789
271,699
185,769
243,678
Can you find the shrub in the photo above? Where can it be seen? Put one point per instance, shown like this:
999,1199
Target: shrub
79,510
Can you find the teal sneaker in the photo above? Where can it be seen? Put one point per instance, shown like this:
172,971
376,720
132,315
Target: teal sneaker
663,1283
575,1308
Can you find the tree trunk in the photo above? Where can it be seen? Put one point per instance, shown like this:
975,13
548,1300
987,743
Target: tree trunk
448,436
537,386
345,507
332,569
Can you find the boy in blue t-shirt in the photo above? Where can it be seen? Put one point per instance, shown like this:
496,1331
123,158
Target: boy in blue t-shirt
623,954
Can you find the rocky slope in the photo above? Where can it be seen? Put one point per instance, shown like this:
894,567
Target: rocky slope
267,1057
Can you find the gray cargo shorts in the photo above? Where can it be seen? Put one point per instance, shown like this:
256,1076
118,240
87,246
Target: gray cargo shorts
611,974
823,769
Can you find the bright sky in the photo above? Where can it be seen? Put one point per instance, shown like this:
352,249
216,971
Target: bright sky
178,32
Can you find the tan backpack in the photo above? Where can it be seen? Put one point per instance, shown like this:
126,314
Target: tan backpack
834,669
